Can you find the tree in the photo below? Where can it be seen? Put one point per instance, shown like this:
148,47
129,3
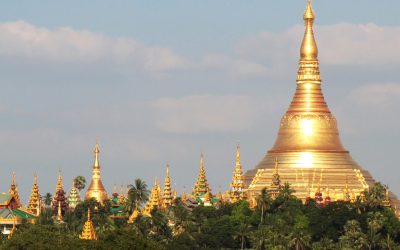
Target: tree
80,182
137,195
324,244
263,201
375,222
353,237
242,233
286,191
47,199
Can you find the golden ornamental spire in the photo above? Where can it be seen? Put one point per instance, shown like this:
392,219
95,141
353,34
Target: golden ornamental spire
13,191
34,204
167,194
73,198
88,232
154,201
201,186
96,156
59,182
96,189
237,184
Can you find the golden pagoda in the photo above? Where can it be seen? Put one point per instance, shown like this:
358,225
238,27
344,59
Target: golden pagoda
13,191
59,185
96,189
88,232
135,214
167,194
276,185
308,138
121,197
73,197
34,204
154,201
201,187
237,184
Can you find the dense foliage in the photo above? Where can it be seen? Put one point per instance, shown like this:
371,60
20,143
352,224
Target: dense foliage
282,223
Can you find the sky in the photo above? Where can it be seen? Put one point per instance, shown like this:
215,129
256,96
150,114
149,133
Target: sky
158,82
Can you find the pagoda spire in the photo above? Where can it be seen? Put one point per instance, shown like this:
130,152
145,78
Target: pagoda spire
14,191
154,201
96,189
34,204
59,182
59,204
121,196
88,231
201,186
73,197
276,181
167,194
237,184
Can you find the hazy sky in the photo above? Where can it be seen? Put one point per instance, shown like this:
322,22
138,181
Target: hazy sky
157,82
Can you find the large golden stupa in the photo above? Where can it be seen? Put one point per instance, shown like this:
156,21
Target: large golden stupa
96,189
308,149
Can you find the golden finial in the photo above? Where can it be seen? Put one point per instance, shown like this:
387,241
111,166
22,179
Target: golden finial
238,154
96,155
309,50
13,178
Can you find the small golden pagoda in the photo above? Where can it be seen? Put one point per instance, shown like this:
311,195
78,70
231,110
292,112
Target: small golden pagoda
73,197
167,194
154,201
35,204
96,189
88,232
308,138
135,214
59,185
14,191
276,182
121,197
201,187
237,184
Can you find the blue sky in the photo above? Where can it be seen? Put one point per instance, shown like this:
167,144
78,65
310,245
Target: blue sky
157,82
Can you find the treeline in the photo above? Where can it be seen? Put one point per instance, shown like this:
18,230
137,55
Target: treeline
282,223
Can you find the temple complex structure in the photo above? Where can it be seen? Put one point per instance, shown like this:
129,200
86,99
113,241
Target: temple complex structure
88,231
167,197
96,189
308,145
201,187
237,185
73,197
155,200
13,191
35,202
60,202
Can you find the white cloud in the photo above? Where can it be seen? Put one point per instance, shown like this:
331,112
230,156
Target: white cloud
21,39
339,44
377,94
206,113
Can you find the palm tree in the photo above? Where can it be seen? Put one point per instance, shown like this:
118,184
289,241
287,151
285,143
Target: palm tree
137,194
300,240
263,202
286,191
388,243
47,199
375,223
242,233
80,182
